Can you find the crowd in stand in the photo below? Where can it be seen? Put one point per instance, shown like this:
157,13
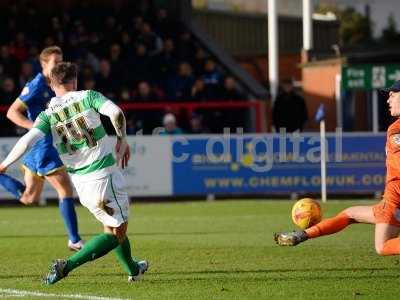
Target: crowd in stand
129,55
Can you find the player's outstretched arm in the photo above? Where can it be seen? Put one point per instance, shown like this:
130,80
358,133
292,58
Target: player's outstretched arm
16,114
117,118
23,144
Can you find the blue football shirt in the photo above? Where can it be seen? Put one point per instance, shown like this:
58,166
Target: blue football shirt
35,95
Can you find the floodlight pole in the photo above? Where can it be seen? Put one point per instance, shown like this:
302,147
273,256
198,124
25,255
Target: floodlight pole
338,98
375,111
307,25
273,71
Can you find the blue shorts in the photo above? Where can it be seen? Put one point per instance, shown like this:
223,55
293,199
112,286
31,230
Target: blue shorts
42,159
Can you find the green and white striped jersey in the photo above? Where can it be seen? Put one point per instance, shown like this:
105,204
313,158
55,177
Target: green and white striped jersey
78,134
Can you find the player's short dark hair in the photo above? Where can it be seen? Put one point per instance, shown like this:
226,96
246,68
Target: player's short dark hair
47,52
64,73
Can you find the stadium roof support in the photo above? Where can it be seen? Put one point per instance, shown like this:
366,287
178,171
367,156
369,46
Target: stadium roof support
252,85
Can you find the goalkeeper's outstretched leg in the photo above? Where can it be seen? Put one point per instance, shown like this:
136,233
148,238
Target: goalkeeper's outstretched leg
383,215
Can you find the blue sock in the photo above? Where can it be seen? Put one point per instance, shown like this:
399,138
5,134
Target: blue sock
67,210
12,185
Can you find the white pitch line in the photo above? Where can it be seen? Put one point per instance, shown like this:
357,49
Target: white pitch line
22,293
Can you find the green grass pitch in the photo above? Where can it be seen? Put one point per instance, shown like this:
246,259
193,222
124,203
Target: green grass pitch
200,250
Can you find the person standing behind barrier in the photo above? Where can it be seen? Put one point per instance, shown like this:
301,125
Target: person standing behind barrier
233,118
170,126
146,119
290,110
196,125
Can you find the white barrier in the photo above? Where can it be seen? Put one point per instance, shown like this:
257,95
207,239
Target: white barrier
148,172
245,164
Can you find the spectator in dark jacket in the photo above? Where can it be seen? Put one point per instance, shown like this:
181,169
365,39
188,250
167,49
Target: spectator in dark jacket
233,118
8,91
111,29
146,119
198,61
33,59
8,94
95,45
148,38
198,92
230,91
117,65
196,125
212,79
137,26
289,111
186,46
26,74
105,83
89,84
164,26
145,93
127,45
19,48
164,64
179,86
211,117
139,67
8,63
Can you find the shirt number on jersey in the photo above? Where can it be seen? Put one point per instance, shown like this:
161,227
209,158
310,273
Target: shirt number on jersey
73,133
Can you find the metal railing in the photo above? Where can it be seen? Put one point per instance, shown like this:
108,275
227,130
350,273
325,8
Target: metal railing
258,112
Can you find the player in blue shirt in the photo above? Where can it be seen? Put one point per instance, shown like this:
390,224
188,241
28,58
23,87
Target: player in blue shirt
42,161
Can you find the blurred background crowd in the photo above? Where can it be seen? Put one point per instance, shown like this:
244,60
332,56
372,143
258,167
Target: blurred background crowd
131,55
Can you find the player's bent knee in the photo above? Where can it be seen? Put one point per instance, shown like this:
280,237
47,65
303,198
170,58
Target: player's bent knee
379,249
121,238
354,215
119,235
119,232
349,212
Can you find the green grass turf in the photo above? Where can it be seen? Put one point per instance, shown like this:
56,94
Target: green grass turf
220,250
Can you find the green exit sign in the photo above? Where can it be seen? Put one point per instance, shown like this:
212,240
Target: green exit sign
368,76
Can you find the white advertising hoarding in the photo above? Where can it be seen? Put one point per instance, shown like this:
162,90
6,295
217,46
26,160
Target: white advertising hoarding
148,173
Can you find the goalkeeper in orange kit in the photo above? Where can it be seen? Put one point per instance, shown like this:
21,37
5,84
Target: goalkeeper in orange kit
385,215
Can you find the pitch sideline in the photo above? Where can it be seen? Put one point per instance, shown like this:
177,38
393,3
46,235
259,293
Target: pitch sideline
22,293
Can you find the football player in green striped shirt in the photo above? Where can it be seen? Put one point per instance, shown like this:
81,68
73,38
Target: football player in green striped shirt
73,119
